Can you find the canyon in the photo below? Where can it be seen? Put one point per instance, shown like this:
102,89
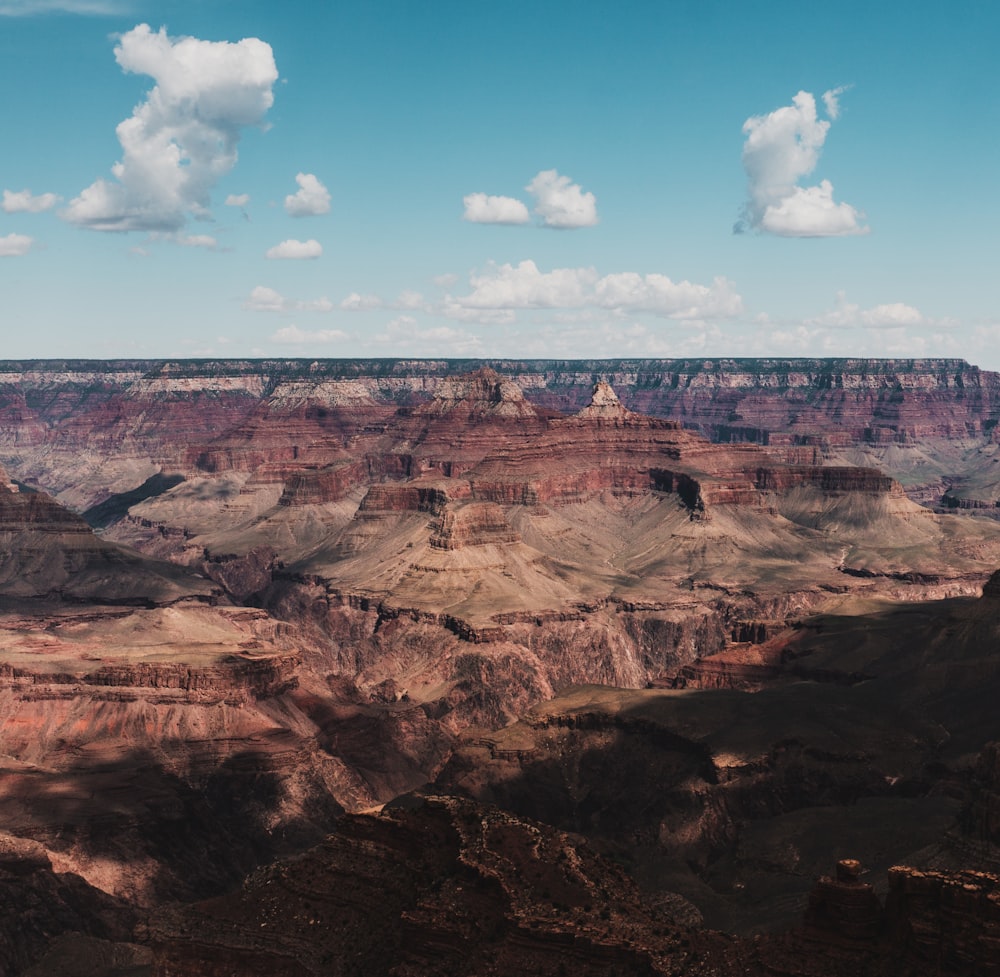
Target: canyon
407,667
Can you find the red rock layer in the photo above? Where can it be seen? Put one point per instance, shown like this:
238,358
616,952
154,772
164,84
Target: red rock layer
473,524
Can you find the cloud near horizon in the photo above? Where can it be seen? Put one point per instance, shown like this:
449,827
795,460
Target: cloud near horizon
887,315
183,137
297,336
312,199
24,202
504,288
782,148
295,250
264,299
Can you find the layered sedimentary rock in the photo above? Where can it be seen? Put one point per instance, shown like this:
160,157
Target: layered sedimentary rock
482,552
428,564
158,741
148,416
38,904
441,886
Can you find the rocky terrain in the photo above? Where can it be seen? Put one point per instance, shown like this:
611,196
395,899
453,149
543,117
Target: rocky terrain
89,429
655,643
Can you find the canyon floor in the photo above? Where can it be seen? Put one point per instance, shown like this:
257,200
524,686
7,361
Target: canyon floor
659,667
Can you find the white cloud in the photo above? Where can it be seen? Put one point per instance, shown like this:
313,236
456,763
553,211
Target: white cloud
631,292
560,203
410,300
310,200
405,334
831,101
182,139
483,209
22,201
14,245
33,8
295,249
523,286
848,315
264,299
356,302
811,212
292,334
893,314
780,149
237,199
197,241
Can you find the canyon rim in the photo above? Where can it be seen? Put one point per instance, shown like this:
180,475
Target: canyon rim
418,667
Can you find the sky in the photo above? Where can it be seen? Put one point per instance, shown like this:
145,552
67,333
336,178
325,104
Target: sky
394,178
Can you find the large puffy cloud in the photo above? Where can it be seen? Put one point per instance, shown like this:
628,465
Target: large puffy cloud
481,208
311,199
14,245
502,288
782,148
183,138
296,250
24,202
561,203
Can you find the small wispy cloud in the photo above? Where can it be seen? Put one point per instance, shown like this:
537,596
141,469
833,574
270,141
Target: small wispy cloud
831,101
82,8
481,208
296,336
265,299
197,241
24,202
312,199
406,334
847,315
355,302
15,245
295,250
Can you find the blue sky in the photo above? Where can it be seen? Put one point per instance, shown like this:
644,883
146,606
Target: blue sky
539,179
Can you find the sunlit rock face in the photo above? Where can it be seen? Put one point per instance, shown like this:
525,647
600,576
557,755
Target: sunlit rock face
683,609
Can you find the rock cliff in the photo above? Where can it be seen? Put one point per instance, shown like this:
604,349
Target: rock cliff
318,586
137,417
